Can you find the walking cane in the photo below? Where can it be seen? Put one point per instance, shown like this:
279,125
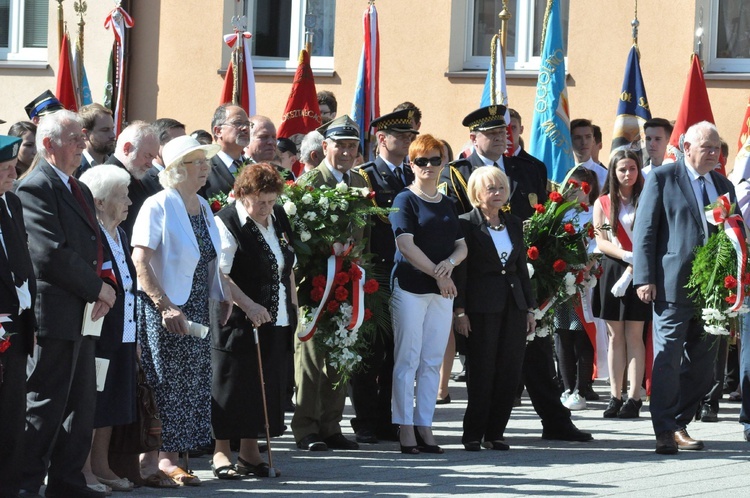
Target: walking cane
271,470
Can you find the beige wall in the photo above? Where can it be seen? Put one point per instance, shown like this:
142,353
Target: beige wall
177,51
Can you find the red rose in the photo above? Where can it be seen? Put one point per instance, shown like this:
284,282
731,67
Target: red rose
319,281
368,314
355,273
533,253
371,286
556,197
585,207
591,231
4,345
332,306
341,294
215,206
579,277
290,182
746,279
585,187
341,278
540,208
316,294
569,229
573,182
309,188
559,265
371,194
730,282
731,298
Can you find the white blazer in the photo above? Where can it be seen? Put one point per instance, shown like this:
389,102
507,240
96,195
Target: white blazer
163,225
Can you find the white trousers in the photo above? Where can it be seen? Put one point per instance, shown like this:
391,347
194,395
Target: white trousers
421,324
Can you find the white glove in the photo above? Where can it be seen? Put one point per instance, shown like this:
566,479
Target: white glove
627,256
622,285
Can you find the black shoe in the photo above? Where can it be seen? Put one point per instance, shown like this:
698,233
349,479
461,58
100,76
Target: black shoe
613,408
473,446
590,395
312,442
427,448
568,433
366,436
339,442
459,377
709,414
495,445
68,491
631,409
443,401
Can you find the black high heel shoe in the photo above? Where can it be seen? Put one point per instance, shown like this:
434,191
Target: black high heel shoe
409,450
427,448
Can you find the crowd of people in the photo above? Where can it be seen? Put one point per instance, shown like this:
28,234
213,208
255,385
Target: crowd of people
115,266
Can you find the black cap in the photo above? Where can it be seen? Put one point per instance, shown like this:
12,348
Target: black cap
44,104
341,128
286,145
398,121
485,118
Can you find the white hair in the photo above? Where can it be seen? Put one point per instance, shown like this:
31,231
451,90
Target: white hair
51,126
312,142
135,133
172,176
102,180
700,131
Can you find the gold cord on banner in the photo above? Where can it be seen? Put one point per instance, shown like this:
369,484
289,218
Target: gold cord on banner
635,23
547,12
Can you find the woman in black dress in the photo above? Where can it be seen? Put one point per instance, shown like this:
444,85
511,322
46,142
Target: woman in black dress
257,258
493,309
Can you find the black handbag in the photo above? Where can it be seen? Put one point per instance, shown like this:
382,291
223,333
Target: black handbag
144,434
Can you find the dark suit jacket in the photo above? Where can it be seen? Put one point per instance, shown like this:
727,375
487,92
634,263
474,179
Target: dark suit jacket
525,187
151,180
85,164
138,192
484,284
63,249
114,320
538,166
386,185
668,228
219,180
22,325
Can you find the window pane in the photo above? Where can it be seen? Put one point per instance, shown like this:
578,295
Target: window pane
539,8
487,24
4,23
35,24
322,14
733,31
271,32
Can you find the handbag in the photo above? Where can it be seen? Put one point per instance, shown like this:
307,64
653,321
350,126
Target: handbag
144,434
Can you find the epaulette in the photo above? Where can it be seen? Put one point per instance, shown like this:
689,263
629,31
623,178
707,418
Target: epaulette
363,174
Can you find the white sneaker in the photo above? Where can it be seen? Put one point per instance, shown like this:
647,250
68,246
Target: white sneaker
575,402
564,397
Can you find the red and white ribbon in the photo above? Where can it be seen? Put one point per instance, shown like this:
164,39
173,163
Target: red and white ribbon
118,20
717,214
231,39
333,265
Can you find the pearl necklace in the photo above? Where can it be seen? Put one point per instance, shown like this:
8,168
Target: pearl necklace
431,197
498,228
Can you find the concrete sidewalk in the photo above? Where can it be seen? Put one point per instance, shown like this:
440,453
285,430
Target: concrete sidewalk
620,461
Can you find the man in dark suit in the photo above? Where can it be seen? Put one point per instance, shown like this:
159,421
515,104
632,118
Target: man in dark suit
320,405
137,147
99,134
387,175
671,224
516,125
17,294
231,129
65,246
487,131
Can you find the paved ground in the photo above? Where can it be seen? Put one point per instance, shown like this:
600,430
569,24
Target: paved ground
619,462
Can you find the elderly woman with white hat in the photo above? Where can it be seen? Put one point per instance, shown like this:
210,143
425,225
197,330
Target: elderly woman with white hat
176,247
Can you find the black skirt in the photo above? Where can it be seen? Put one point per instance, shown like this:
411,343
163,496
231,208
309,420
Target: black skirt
115,405
236,399
607,306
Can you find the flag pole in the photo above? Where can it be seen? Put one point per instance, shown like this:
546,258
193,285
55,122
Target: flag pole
504,16
60,24
80,7
239,28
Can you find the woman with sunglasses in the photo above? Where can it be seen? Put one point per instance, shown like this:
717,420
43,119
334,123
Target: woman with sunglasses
429,244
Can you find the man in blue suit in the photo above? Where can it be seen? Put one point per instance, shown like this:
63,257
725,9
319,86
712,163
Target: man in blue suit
670,224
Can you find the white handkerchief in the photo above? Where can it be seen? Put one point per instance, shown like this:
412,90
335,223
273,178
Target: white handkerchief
24,296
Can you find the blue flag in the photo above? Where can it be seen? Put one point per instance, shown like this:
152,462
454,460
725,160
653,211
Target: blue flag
632,108
550,129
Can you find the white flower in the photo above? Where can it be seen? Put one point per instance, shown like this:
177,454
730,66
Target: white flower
289,208
542,331
334,218
304,236
323,203
530,267
342,187
307,198
310,215
343,205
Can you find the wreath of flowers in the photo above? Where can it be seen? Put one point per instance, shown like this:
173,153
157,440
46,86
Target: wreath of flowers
720,276
556,254
341,306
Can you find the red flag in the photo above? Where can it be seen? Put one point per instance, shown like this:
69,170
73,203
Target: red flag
302,113
695,108
66,89
745,129
240,64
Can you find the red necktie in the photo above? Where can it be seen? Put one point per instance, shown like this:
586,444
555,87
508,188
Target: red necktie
76,191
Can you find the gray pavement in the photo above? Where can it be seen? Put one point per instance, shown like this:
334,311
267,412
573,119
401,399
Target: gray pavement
620,461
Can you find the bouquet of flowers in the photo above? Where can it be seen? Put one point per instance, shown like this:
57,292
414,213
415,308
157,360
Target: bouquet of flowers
341,302
720,277
556,254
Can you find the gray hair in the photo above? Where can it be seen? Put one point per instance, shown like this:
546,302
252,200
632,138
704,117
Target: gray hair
313,141
700,131
135,133
51,126
170,177
102,180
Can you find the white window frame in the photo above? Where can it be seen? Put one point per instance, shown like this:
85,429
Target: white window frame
16,52
707,20
524,23
296,42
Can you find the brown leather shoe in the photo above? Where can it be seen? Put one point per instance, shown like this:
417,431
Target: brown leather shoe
685,442
665,443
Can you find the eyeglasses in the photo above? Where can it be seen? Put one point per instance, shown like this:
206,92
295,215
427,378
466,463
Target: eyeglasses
239,124
422,162
196,162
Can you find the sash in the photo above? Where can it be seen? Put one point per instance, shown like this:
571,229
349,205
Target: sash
622,235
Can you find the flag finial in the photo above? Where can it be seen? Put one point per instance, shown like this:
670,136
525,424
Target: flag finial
635,23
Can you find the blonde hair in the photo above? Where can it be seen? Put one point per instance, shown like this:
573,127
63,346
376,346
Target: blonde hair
481,177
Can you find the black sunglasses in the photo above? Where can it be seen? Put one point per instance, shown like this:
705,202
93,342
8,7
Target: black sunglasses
422,162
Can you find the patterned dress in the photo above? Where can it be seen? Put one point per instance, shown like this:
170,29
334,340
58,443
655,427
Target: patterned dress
179,367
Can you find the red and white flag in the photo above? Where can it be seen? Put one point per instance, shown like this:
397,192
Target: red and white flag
239,82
